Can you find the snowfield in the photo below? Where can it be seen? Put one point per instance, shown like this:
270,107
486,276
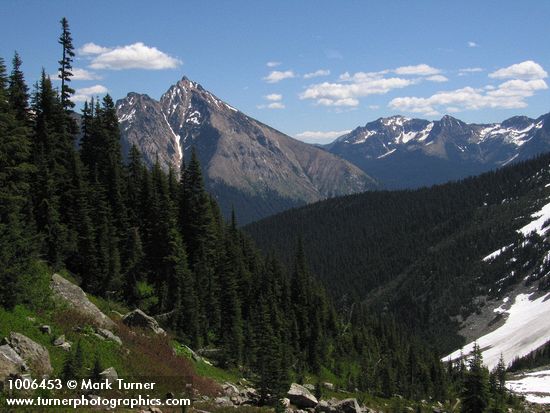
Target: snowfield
537,225
534,386
526,329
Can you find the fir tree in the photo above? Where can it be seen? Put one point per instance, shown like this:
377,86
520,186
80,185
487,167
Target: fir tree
18,92
500,373
195,215
16,247
95,374
65,65
475,394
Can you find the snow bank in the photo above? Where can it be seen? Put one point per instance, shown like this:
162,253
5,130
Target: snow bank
526,329
537,225
534,386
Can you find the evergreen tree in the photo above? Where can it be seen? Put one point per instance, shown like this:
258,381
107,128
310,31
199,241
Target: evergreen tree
500,373
52,157
95,374
18,92
475,394
16,247
134,266
230,306
65,65
195,215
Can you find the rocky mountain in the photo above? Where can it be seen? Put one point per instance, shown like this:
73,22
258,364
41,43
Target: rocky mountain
406,153
247,165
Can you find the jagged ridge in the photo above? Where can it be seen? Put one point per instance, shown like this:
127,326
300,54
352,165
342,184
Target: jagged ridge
245,161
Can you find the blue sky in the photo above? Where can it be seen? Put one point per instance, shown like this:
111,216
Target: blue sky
313,68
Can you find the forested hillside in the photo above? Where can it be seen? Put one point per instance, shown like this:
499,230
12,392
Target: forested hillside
418,254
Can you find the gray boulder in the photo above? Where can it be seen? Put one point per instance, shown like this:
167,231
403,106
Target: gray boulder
325,407
11,363
348,406
45,329
76,298
138,318
224,401
102,332
109,374
230,389
301,397
35,355
328,385
59,341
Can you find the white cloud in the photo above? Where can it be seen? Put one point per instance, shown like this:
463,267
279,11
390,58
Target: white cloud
356,86
83,74
317,73
274,97
338,102
134,56
527,70
276,76
273,105
320,136
526,79
468,70
417,70
92,49
362,76
276,102
351,87
80,74
86,93
273,64
508,95
374,107
472,44
437,78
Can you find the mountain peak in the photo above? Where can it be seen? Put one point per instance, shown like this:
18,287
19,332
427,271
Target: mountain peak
245,163
188,84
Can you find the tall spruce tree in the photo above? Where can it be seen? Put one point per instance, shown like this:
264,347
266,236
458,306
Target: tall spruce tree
18,92
65,65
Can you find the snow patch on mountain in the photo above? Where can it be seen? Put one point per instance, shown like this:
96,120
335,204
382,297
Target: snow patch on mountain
177,138
535,386
538,225
526,329
496,253
128,117
387,153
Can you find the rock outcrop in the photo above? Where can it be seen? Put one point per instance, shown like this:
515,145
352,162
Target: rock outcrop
138,318
10,363
35,355
108,335
76,298
348,406
110,375
301,397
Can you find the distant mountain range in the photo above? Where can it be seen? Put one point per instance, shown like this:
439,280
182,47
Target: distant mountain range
260,171
247,165
406,153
